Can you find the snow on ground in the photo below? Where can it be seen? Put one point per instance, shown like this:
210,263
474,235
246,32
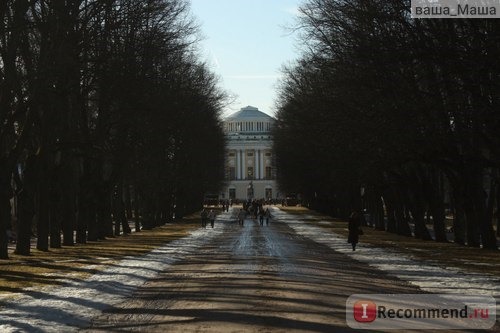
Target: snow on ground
72,305
427,276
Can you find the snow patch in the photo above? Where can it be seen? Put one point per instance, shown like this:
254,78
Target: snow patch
428,277
72,305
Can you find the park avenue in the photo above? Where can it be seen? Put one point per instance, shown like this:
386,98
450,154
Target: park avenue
288,276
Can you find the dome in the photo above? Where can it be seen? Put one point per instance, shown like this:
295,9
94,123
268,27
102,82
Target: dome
249,113
248,120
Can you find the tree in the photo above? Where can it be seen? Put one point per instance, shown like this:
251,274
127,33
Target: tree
395,106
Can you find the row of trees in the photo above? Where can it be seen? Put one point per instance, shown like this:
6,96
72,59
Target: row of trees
396,115
104,104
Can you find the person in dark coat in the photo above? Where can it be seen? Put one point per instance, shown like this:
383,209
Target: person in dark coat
354,224
204,218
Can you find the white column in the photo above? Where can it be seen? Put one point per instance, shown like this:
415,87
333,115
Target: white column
261,159
243,164
263,170
238,164
256,163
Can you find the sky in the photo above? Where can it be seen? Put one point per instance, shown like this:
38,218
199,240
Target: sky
246,42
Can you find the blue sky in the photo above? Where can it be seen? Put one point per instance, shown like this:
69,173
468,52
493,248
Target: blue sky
246,42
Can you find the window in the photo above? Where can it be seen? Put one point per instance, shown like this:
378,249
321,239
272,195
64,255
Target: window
269,193
269,173
232,173
268,154
232,193
231,154
250,153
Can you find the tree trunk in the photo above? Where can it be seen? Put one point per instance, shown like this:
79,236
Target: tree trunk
488,236
26,208
84,207
120,211
105,222
459,220
402,226
473,235
459,225
433,189
438,216
376,209
68,205
5,216
116,214
498,211
391,218
81,223
42,242
55,216
93,230
93,207
128,201
24,222
137,211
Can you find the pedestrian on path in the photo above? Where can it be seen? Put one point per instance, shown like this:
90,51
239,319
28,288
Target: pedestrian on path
353,227
241,217
261,216
204,217
267,215
211,217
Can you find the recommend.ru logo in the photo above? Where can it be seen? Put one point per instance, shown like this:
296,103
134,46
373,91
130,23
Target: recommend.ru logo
420,311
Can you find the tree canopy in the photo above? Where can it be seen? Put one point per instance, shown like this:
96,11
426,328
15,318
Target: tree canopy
395,115
104,104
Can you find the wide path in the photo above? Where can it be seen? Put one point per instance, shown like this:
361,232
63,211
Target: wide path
290,276
251,279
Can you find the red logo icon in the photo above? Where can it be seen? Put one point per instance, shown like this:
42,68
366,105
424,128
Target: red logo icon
365,311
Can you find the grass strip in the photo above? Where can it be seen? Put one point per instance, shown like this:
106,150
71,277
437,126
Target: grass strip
45,269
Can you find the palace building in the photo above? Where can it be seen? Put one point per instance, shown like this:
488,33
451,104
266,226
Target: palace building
250,171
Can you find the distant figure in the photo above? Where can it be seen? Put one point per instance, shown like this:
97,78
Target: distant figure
204,217
241,217
267,215
211,217
261,216
354,226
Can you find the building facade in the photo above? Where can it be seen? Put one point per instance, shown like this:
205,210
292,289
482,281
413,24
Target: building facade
250,167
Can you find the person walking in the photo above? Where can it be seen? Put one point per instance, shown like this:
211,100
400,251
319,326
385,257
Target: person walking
241,217
261,216
267,215
211,217
353,227
204,217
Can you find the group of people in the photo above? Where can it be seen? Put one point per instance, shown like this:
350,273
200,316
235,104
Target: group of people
354,226
258,211
206,217
226,204
262,214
